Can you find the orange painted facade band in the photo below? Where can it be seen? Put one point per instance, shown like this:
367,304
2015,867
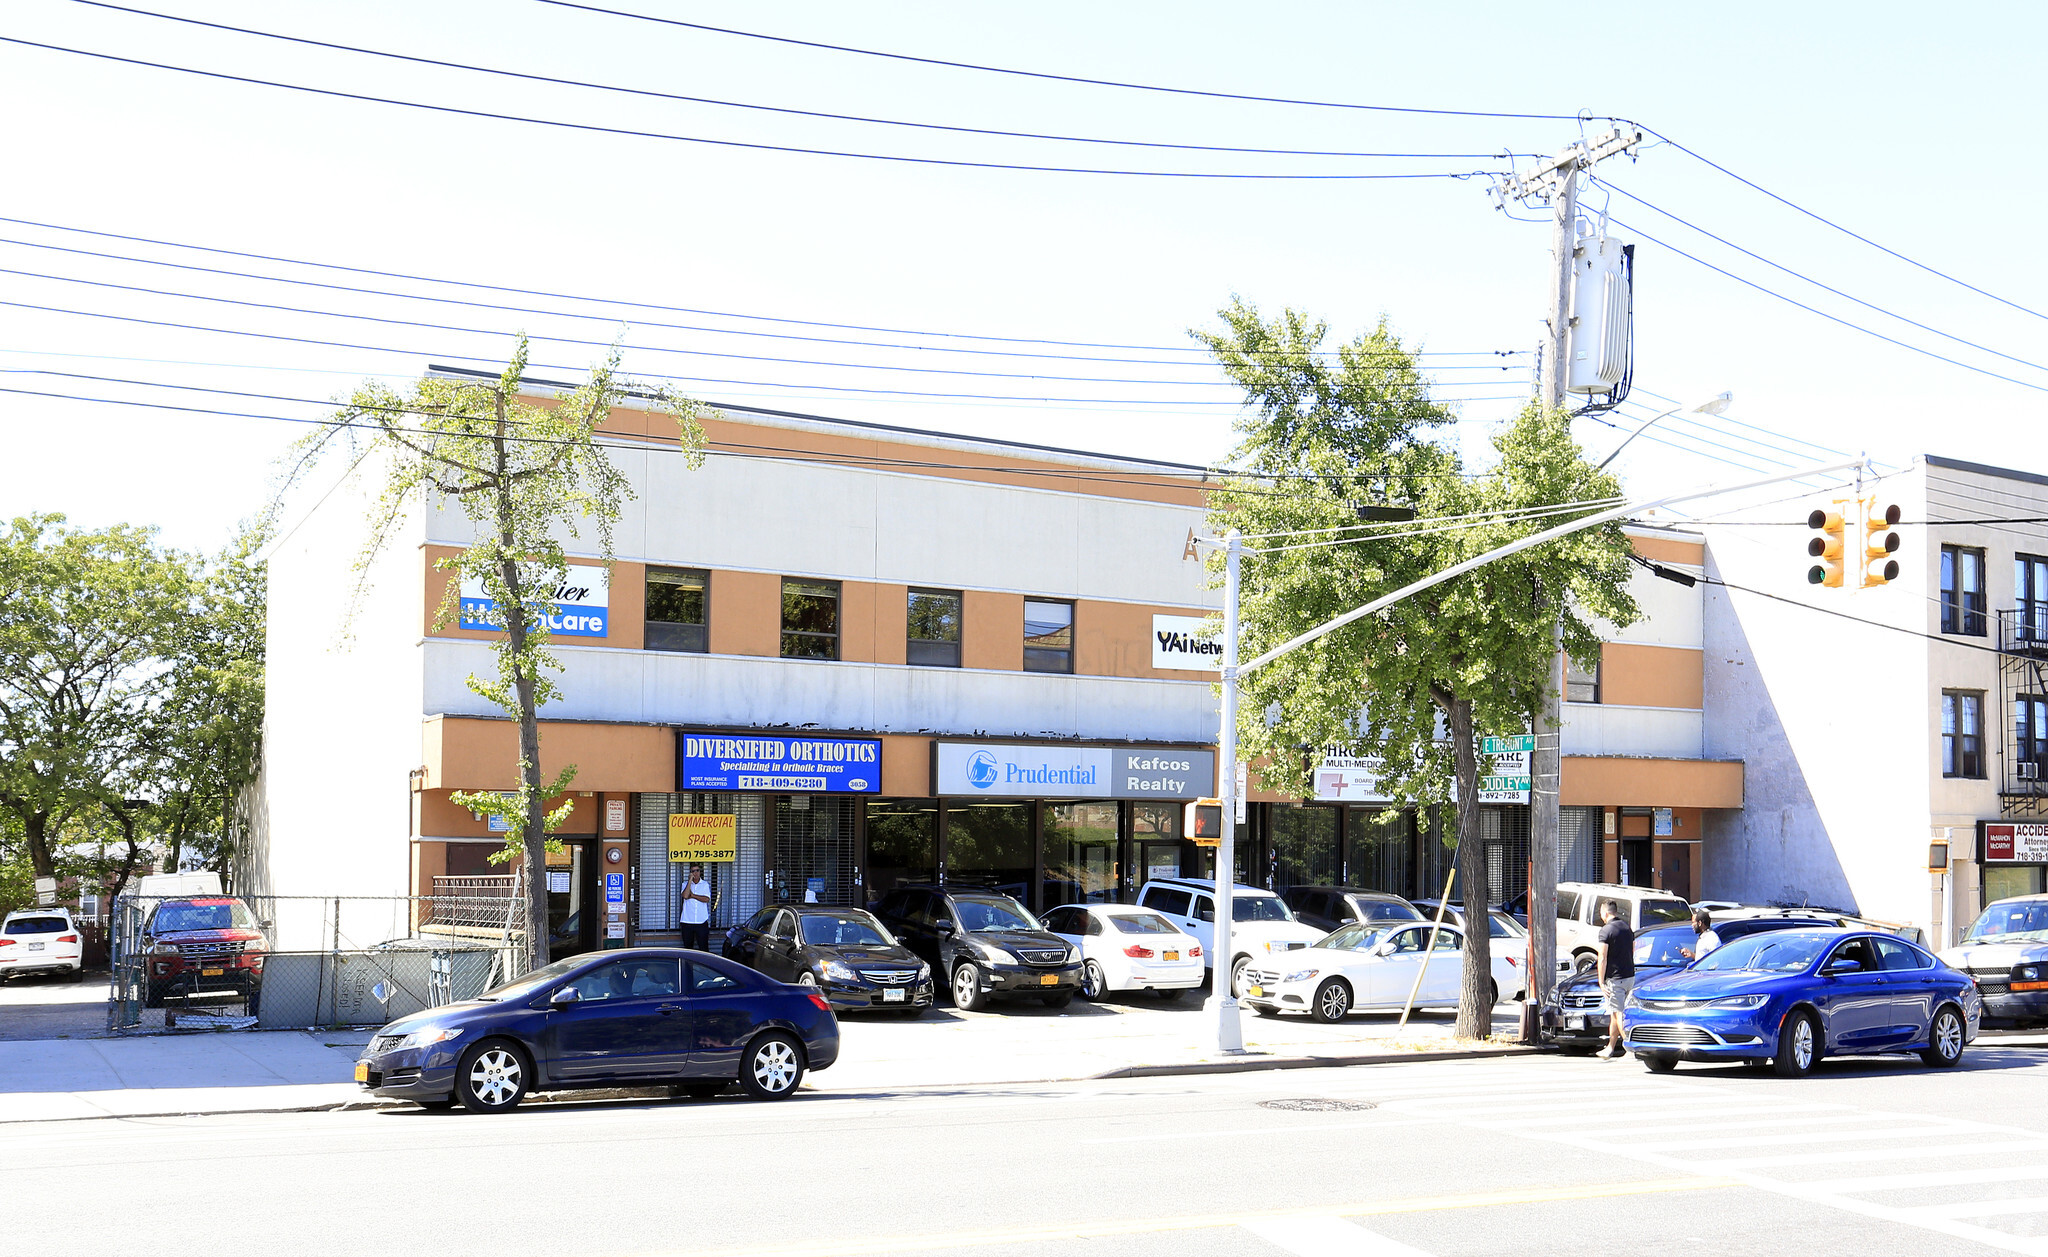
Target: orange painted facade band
1621,781
472,753
1670,550
1652,676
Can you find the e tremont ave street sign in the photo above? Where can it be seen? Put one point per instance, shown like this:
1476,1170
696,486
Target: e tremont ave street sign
1509,780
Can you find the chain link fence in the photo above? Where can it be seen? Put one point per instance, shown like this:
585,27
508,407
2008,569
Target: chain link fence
276,962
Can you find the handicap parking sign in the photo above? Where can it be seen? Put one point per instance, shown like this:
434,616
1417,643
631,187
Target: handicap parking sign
615,888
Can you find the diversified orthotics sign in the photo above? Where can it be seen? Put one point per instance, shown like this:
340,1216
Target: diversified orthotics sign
583,604
1051,771
722,761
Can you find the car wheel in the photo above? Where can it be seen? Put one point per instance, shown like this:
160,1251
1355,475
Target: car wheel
1237,968
772,1067
1945,1039
1660,1062
153,996
1094,985
1492,993
1798,1046
1583,963
1061,1000
1333,1000
807,978
492,1077
967,993
698,1090
1170,995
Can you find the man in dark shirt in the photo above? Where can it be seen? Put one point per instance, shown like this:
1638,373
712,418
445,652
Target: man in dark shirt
1617,970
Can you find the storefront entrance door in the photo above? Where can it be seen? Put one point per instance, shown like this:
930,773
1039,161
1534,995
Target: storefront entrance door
574,905
1158,858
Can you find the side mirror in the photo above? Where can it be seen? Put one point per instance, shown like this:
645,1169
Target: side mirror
944,929
564,997
1207,914
1384,949
1842,964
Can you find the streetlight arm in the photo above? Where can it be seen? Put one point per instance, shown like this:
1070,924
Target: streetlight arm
1642,428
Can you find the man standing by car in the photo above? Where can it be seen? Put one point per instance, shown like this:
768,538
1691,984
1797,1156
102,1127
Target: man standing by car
696,915
1617,970
1704,938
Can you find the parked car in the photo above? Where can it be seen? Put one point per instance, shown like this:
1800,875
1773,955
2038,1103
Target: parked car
1261,924
1327,907
844,952
986,944
642,1016
2005,952
203,945
1579,1014
1369,965
1578,914
1794,996
41,940
1128,949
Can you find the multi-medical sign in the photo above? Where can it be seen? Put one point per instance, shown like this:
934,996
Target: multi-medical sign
720,761
1342,776
582,604
1186,643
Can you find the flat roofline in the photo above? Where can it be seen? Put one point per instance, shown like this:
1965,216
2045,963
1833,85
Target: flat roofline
924,435
1983,469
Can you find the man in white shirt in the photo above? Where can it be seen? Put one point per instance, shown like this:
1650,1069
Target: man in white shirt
696,915
1704,938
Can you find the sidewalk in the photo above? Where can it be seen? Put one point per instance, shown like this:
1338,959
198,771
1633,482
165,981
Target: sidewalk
268,1071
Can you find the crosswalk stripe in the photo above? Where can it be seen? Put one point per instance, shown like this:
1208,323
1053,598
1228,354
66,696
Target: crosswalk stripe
1329,1237
1986,1208
1922,1152
1939,1178
1802,1137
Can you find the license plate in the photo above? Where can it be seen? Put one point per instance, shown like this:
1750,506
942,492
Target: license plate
35,946
1575,1023
1048,980
1172,955
211,973
894,995
362,1071
1256,992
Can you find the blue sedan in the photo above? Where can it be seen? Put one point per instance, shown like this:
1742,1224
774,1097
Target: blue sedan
651,1015
1794,996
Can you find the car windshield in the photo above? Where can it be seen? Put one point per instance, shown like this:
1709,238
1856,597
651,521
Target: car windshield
36,925
1259,908
978,915
1388,910
534,983
176,917
1500,925
1665,948
1358,936
1143,923
2026,922
1778,951
843,931
1661,911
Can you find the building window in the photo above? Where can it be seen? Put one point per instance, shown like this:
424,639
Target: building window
677,604
2030,735
810,619
2030,596
934,628
1962,591
1962,733
1048,636
1581,683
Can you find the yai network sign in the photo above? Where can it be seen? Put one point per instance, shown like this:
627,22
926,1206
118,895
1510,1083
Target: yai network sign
582,605
1186,643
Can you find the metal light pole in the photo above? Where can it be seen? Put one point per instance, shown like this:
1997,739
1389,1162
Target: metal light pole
1222,990
1715,405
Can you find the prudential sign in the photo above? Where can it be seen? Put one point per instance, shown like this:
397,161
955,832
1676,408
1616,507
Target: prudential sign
1049,771
582,605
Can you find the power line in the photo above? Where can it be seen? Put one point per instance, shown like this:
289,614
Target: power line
1790,436
1057,78
777,109
591,127
1426,528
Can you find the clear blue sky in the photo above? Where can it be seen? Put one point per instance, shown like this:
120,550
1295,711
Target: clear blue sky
1916,129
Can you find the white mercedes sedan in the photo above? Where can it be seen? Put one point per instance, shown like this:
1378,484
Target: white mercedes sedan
1372,965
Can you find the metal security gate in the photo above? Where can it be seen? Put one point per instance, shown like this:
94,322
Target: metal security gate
814,850
736,885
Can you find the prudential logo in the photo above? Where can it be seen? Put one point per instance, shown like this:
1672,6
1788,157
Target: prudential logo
982,770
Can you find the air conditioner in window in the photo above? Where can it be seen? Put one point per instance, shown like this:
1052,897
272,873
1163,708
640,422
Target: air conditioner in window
2029,771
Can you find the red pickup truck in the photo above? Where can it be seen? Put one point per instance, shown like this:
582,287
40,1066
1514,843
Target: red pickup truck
202,945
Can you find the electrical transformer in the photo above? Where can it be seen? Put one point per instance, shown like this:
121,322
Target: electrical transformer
1602,310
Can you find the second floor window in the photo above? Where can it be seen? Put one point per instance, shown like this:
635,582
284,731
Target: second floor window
2030,597
1962,591
1581,681
810,619
1962,733
2030,734
1048,636
677,606
934,628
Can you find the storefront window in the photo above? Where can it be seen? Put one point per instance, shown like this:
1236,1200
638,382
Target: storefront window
1380,850
1080,853
990,843
814,849
1156,846
1505,831
2007,881
903,843
1304,846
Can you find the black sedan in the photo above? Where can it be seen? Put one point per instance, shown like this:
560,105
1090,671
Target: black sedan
843,952
651,1015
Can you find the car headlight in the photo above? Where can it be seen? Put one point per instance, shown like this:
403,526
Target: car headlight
2026,973
1739,1001
995,955
1631,1001
430,1035
924,972
1301,975
838,971
164,949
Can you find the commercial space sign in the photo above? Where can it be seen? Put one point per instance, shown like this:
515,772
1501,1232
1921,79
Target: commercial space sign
702,837
2016,844
1186,643
718,761
1051,771
582,604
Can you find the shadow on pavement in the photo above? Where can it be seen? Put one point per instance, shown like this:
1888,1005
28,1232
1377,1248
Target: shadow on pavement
54,1006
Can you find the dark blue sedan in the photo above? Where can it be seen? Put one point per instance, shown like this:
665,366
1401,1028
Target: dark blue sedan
647,1016
1794,996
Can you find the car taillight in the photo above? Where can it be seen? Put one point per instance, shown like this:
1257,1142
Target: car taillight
6,942
1138,952
823,1004
67,938
1512,962
1196,952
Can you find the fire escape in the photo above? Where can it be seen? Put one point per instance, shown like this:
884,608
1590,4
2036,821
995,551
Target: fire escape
2023,709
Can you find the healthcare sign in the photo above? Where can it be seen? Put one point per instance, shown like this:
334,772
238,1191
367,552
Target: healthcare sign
720,761
582,604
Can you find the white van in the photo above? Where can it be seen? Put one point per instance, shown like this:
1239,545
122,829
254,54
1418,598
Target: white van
1578,915
1261,923
176,885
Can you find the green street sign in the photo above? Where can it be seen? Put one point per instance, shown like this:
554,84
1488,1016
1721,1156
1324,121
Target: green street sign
1524,744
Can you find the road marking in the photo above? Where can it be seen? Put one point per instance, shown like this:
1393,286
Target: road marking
1985,1208
1942,1178
1206,1222
1803,1137
1329,1237
1923,1151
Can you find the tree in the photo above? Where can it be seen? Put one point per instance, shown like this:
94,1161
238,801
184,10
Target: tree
524,473
1418,683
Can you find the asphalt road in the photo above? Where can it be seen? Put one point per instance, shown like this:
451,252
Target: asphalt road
1454,1158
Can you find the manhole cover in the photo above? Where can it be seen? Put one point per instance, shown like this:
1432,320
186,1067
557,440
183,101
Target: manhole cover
1314,1105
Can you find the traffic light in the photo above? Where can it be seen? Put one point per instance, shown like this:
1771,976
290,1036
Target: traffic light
1827,547
1202,822
1879,543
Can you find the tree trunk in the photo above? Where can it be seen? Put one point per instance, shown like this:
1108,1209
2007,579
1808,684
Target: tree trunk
36,825
1475,999
536,838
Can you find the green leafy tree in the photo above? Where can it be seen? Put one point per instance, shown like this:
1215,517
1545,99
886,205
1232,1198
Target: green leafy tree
525,473
1327,433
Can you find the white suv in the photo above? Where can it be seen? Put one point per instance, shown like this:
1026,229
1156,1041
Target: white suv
41,940
1261,923
1578,915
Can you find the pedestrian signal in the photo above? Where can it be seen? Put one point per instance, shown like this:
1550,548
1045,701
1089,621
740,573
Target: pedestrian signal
1879,543
1202,823
1827,547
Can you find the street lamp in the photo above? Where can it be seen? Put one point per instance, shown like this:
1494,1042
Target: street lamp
1718,404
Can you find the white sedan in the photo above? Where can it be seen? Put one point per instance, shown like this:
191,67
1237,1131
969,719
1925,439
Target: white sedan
1371,965
1128,949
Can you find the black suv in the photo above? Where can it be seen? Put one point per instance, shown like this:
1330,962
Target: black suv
1327,907
984,943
